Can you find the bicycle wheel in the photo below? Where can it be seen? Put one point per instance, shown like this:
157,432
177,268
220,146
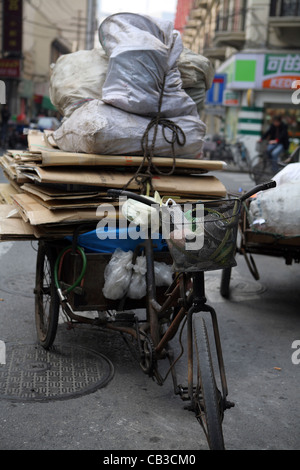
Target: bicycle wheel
46,297
207,399
262,171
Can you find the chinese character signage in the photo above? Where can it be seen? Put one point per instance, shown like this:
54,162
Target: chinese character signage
231,98
262,71
281,70
12,26
9,68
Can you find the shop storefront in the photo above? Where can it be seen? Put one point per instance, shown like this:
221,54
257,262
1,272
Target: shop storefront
258,87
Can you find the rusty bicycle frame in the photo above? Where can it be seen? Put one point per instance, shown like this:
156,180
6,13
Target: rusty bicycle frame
165,316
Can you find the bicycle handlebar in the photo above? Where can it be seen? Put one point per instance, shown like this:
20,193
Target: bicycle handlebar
256,189
115,193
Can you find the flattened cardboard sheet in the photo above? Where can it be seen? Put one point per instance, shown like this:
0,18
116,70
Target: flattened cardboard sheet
82,159
49,194
206,185
12,226
36,214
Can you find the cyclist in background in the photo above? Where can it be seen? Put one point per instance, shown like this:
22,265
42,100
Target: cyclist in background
278,141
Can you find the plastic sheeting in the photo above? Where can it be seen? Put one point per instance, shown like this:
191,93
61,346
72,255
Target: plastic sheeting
102,241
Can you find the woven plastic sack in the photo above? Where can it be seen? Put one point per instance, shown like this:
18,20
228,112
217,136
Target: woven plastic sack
197,74
142,51
76,78
92,129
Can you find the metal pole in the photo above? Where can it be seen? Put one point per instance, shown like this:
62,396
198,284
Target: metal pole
90,24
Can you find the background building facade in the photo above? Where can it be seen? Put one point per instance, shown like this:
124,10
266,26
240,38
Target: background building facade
34,34
255,48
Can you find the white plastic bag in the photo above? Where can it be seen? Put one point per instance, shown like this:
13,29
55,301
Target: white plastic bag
77,77
142,51
137,287
163,274
92,129
117,275
276,210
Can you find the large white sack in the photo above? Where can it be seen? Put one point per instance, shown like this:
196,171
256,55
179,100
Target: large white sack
77,77
277,210
103,129
141,52
197,74
288,174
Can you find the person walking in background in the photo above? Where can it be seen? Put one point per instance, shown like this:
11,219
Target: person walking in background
5,116
278,141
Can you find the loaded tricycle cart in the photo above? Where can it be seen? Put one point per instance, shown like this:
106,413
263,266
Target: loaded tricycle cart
70,279
253,241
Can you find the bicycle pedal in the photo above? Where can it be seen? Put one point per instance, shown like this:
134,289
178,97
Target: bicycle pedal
124,317
228,404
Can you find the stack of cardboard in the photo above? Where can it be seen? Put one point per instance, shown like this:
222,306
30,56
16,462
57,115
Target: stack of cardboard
50,192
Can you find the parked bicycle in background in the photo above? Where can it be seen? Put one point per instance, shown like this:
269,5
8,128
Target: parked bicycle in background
262,169
278,141
235,154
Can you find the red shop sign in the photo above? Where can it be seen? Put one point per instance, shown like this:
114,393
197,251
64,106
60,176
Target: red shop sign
9,68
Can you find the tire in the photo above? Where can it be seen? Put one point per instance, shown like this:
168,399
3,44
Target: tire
262,171
207,399
46,297
225,282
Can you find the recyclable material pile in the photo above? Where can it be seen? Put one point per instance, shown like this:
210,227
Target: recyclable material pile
130,120
276,212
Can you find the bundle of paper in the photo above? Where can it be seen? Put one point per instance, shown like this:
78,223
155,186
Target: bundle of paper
53,191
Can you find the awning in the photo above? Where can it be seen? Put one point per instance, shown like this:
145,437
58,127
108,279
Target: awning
46,104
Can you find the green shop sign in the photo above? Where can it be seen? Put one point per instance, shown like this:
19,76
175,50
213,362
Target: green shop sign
281,70
261,71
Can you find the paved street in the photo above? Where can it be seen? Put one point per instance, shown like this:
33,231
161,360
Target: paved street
258,325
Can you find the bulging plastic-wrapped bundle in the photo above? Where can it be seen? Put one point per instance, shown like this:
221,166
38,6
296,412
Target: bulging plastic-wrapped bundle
76,78
276,211
163,277
92,129
289,174
143,55
117,275
197,74
122,277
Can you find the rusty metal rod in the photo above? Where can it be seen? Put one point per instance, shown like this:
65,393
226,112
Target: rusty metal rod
171,331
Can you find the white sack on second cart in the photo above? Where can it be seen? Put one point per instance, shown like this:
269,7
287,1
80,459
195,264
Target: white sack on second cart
277,210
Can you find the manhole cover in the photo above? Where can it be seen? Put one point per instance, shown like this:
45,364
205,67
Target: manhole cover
32,373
